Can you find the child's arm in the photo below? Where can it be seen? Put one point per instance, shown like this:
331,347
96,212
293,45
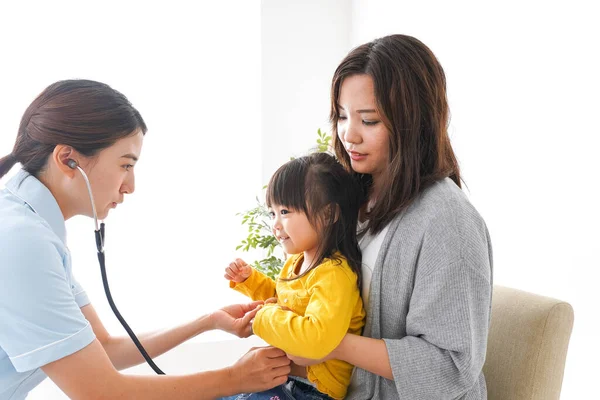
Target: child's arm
333,298
246,280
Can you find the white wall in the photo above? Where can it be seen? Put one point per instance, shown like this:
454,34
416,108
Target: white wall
302,43
523,83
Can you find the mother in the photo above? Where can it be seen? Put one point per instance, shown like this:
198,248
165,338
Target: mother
427,258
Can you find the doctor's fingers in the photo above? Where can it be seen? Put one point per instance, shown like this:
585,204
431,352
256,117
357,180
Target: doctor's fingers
271,352
251,306
281,371
270,357
250,315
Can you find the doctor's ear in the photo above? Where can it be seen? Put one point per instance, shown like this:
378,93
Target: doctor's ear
66,159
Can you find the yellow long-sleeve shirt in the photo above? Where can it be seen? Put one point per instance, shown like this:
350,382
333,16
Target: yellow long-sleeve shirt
325,304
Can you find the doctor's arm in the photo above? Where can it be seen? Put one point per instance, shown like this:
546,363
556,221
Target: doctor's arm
123,353
89,374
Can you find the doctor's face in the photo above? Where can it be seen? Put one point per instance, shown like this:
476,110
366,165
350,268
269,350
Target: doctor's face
112,175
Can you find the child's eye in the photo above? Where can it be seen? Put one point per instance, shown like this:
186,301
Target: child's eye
271,214
284,212
370,123
128,167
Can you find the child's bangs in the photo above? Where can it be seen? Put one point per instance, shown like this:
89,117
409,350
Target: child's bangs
287,186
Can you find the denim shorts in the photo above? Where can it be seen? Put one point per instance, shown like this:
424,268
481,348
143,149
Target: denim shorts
293,389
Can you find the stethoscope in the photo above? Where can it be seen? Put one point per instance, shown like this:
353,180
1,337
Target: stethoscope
99,233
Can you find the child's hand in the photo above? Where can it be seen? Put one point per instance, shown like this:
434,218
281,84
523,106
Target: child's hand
238,271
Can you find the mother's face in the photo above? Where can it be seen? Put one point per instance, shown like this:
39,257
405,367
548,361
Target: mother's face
360,127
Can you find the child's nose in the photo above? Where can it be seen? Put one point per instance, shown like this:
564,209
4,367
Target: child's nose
276,224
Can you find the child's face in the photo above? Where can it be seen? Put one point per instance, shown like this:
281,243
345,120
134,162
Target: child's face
293,230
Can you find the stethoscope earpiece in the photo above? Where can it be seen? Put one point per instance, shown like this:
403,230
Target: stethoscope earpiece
71,163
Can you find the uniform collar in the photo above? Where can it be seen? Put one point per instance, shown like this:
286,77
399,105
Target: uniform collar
33,192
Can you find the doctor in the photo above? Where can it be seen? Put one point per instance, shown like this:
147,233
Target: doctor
47,325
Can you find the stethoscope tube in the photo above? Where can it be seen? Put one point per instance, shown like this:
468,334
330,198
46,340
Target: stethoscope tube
99,236
101,260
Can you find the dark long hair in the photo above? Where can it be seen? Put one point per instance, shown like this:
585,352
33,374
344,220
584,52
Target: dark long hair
410,91
321,188
86,115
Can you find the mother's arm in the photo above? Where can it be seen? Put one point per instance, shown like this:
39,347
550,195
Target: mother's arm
443,352
363,352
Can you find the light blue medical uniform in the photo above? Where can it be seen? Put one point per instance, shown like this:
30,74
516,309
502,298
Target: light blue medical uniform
40,301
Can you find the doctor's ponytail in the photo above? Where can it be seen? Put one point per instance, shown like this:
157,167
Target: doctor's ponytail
86,115
6,163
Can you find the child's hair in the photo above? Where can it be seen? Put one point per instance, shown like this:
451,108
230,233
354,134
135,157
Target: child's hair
319,186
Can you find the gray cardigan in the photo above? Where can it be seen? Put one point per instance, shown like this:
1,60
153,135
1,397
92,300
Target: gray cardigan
430,301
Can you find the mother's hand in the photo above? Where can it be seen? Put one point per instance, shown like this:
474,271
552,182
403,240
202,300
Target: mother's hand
236,318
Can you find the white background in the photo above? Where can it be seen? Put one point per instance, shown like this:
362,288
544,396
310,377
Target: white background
523,88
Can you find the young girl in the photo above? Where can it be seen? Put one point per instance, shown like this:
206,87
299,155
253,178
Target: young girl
314,205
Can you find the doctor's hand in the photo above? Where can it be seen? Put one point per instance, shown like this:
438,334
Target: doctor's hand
274,300
260,369
238,271
306,362
237,318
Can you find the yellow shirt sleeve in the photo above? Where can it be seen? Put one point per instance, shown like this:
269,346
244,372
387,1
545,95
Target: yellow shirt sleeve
333,294
258,286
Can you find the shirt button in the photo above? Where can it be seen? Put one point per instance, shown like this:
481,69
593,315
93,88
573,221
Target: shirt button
285,300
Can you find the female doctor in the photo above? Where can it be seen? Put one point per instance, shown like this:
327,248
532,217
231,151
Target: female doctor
47,325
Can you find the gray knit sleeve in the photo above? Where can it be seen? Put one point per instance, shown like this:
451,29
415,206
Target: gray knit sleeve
442,354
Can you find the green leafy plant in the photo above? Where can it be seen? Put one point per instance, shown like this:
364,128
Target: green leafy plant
323,141
260,235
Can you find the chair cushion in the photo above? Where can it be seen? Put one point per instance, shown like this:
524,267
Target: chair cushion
527,345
